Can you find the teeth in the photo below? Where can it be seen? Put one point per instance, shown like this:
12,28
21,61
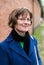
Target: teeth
25,24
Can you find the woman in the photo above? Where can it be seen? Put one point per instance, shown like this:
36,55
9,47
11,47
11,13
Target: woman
19,48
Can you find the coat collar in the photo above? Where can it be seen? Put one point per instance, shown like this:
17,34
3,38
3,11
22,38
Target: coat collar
17,48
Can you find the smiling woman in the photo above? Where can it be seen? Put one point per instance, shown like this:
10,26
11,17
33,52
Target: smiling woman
21,20
19,47
15,15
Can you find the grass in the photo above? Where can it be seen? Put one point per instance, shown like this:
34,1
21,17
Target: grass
39,34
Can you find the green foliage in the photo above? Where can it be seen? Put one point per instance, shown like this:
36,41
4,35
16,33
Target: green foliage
39,34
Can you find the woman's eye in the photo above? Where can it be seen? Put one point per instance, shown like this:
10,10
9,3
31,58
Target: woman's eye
28,19
22,19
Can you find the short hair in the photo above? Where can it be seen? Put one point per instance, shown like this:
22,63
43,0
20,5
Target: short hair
15,14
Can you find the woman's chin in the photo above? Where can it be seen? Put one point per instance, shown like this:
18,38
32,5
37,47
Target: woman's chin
25,30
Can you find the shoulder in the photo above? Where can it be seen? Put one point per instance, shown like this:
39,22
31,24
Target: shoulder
3,45
33,39
5,42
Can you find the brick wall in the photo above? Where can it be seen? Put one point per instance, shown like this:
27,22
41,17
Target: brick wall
6,6
37,14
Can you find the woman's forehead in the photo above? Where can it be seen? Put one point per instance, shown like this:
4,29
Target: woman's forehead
24,15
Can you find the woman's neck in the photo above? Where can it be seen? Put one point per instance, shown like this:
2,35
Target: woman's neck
21,33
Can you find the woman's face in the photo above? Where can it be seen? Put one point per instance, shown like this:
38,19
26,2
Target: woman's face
23,23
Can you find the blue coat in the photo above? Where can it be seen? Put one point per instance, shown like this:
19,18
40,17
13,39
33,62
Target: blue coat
11,53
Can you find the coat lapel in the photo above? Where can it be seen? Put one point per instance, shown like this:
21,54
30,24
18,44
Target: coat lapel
17,48
31,48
